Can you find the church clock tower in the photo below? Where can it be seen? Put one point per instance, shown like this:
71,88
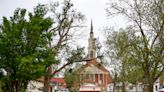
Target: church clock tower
91,43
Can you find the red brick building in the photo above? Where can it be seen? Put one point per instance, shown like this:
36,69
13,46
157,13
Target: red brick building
93,76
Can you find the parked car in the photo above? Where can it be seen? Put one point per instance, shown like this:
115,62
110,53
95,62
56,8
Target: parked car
161,89
61,90
64,90
56,90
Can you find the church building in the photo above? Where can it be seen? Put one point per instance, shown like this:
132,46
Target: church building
93,76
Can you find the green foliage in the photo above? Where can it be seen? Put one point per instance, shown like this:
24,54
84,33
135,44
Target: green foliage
24,51
70,76
146,17
76,55
119,48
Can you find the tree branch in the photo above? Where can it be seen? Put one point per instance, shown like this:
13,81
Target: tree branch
68,63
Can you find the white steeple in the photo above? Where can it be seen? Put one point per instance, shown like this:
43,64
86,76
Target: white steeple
91,44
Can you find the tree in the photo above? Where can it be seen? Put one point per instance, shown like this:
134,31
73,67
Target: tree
65,21
147,17
117,48
23,48
70,76
1,74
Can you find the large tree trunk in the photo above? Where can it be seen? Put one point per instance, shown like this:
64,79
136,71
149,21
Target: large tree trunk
0,86
123,86
47,77
149,83
11,86
114,83
14,86
114,86
46,83
150,86
17,86
123,76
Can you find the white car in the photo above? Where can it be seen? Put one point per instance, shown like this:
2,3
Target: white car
64,90
161,89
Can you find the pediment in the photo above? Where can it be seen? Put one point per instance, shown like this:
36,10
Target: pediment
92,69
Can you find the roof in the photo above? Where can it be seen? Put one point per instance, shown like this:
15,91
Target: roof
58,80
96,64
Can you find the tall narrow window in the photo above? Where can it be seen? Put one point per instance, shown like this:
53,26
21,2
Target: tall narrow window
93,43
91,54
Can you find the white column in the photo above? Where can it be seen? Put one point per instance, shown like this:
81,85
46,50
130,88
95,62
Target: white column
98,78
103,78
89,76
106,78
94,77
80,77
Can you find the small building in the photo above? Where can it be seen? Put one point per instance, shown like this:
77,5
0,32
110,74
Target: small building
35,86
58,84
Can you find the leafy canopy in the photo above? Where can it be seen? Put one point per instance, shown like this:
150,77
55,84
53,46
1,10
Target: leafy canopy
24,51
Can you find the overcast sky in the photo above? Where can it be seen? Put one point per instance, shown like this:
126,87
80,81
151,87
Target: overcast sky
92,9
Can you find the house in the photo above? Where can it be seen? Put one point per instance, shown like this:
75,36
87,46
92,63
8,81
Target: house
58,84
139,87
35,86
158,83
93,76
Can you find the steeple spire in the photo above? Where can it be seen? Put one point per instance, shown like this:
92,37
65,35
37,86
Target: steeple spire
91,27
91,44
